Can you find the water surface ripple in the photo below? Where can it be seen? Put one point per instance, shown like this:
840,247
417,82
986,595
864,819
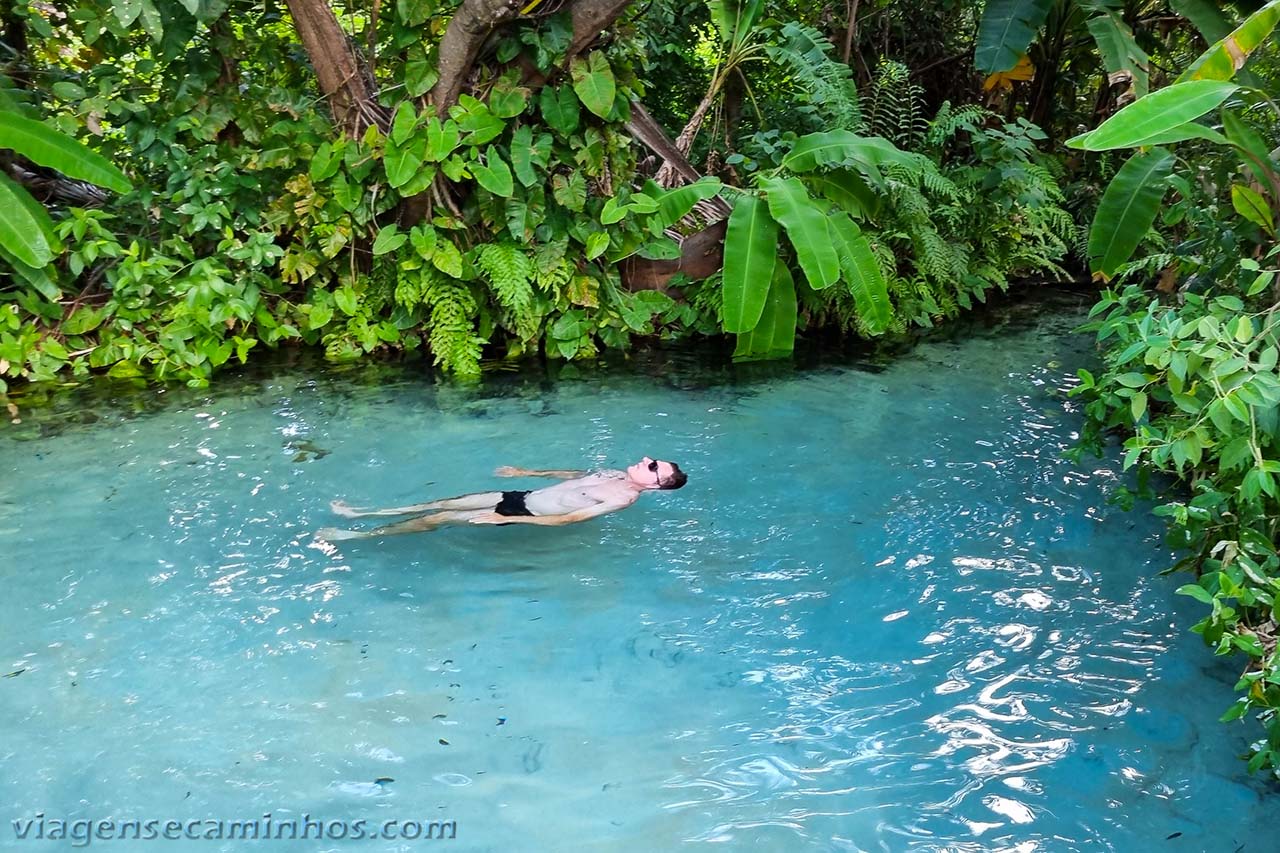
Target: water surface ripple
884,615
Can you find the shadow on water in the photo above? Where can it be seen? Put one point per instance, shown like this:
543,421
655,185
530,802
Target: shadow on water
48,409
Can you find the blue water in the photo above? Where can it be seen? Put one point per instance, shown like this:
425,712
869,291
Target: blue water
885,614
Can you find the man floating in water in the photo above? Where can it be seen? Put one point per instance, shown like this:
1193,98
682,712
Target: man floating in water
581,496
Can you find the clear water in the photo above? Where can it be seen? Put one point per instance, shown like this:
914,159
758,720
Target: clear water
885,614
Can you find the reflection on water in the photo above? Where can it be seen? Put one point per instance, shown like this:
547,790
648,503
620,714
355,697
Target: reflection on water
885,614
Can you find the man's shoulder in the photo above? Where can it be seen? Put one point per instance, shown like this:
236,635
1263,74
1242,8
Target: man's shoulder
601,476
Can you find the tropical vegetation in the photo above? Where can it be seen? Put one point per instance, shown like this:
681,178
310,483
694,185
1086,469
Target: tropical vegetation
185,184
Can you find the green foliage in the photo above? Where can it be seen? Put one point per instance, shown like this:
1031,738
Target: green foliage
255,224
1128,209
1227,56
1195,386
822,81
1148,121
750,255
1007,28
1192,382
894,106
775,333
47,147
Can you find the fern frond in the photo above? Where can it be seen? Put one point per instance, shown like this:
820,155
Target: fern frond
510,271
826,82
949,121
1146,267
894,105
453,338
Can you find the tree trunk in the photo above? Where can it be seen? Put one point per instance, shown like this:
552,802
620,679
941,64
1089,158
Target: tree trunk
850,32
460,47
668,175
701,255
343,78
646,130
590,19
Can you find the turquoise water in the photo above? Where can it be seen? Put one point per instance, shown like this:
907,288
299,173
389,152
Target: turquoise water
885,614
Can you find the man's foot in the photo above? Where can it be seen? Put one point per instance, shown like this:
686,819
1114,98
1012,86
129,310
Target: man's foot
345,510
333,534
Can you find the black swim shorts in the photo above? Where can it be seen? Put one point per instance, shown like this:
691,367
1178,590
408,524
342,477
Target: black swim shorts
512,503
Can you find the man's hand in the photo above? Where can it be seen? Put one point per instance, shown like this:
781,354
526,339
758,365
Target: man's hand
490,518
509,471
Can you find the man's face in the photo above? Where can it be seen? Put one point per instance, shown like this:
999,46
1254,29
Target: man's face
650,472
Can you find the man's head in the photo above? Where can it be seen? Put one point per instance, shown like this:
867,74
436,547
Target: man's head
656,474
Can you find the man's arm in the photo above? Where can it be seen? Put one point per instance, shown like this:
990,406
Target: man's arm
510,471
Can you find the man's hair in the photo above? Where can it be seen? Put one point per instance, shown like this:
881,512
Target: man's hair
677,479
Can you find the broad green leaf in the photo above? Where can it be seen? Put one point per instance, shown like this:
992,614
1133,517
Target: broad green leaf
447,258
414,12
1138,405
419,76
152,22
442,139
403,123
25,228
421,179
1157,113
46,146
346,299
750,254
734,19
43,279
662,249
82,321
319,316
423,239
1183,132
675,204
522,156
642,204
1206,16
1196,591
388,240
774,336
127,11
560,109
324,163
612,212
1252,206
1227,56
1255,153
597,242
68,91
842,147
570,192
1120,53
507,100
594,84
861,272
495,175
476,121
848,190
1007,28
402,164
1128,209
806,227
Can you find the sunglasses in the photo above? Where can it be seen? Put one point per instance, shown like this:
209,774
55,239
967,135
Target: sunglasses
657,478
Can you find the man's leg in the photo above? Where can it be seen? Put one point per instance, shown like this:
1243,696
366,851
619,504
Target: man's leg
414,525
480,500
